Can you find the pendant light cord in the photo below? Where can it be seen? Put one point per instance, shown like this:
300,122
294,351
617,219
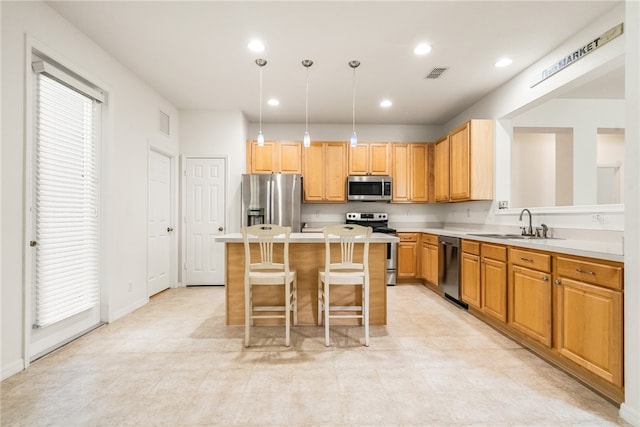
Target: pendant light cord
353,107
306,105
260,98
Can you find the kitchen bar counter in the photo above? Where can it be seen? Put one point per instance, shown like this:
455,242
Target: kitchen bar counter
306,254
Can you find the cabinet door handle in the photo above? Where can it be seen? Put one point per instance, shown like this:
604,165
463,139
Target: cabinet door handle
545,279
558,282
526,259
579,270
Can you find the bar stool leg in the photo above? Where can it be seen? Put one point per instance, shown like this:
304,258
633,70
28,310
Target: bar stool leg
247,315
326,312
365,313
287,310
295,300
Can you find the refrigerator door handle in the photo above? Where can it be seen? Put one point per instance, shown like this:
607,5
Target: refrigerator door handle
270,202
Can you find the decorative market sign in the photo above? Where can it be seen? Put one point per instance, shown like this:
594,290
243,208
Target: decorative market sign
579,53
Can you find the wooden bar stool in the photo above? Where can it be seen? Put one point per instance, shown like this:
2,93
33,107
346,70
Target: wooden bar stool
346,272
266,272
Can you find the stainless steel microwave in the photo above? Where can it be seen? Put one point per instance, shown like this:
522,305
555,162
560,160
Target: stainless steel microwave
369,188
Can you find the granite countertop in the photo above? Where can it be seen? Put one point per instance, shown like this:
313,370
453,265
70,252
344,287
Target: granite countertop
611,250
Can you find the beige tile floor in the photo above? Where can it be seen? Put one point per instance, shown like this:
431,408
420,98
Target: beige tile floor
175,363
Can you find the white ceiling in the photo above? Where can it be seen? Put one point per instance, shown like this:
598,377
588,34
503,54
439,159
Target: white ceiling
195,53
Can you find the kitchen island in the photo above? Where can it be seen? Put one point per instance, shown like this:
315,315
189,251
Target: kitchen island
306,254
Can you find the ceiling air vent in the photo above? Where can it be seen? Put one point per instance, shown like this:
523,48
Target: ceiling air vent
436,72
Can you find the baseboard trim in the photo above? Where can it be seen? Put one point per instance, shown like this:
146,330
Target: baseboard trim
128,309
630,415
11,369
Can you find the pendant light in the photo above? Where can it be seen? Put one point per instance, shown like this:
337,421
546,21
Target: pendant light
354,138
261,63
306,141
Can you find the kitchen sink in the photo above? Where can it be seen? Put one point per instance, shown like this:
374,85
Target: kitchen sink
510,236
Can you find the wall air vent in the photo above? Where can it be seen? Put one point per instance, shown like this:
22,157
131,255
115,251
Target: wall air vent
436,72
163,122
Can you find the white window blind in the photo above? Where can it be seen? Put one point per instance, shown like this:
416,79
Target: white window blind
67,268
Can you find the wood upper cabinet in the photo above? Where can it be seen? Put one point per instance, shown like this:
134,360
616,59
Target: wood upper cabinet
411,172
441,170
369,158
274,157
290,157
429,258
493,275
530,304
408,255
464,163
325,172
590,315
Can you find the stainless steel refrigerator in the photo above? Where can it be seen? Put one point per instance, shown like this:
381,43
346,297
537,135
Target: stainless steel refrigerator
272,199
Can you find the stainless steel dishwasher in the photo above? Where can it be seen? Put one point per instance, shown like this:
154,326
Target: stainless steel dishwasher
449,258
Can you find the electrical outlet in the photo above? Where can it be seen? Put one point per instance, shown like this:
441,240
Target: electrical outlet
597,218
503,204
468,212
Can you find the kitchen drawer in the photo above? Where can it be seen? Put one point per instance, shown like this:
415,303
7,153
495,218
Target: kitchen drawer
496,252
530,259
408,237
588,271
471,247
431,239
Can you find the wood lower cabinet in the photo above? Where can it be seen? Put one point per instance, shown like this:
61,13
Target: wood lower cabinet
530,303
470,281
407,255
590,315
370,158
429,258
484,278
494,274
325,172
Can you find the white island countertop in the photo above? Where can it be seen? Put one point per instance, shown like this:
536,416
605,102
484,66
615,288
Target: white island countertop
308,238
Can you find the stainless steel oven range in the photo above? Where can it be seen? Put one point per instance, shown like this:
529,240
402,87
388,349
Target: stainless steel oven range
379,222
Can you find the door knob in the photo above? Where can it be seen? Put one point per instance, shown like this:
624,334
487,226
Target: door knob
220,228
169,229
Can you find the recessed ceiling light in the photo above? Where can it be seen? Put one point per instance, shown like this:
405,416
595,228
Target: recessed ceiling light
386,103
256,46
273,102
503,62
422,49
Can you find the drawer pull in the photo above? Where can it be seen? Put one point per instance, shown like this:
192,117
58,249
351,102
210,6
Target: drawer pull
579,270
526,259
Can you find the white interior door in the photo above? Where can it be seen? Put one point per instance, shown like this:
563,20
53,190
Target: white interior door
204,220
160,228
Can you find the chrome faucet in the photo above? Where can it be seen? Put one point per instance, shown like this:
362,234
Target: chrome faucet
528,231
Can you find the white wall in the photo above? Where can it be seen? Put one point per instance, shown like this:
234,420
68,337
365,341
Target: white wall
342,132
131,124
533,161
630,409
